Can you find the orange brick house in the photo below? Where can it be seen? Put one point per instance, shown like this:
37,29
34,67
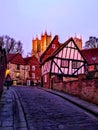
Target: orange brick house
15,68
32,70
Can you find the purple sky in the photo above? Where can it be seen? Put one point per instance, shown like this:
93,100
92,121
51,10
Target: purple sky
24,19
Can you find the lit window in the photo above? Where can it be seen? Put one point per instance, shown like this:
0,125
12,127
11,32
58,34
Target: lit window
64,63
33,67
17,75
33,75
53,46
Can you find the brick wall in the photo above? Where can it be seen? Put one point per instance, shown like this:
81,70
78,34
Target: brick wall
3,64
86,89
46,81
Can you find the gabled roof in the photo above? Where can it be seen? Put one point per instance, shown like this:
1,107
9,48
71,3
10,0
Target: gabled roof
49,51
62,46
15,59
31,60
27,59
91,55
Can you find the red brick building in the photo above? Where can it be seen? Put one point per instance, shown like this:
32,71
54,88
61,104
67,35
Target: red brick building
32,70
50,49
91,55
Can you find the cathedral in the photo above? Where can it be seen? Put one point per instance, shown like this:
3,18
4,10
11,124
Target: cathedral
40,45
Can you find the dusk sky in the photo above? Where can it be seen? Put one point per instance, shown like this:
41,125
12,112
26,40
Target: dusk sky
24,19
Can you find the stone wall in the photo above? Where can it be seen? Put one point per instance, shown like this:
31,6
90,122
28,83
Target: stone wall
86,89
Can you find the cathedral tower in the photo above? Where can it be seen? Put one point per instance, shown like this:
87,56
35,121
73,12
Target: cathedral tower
40,45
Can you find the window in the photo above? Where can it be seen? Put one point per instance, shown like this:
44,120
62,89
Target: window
27,67
64,63
33,67
53,46
17,75
33,75
18,67
75,64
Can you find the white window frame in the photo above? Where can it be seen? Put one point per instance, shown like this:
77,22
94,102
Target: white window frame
27,67
33,67
33,75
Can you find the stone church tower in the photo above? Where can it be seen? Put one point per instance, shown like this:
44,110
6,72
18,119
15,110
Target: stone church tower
40,45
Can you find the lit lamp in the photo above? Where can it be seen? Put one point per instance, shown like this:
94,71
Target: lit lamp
7,72
94,59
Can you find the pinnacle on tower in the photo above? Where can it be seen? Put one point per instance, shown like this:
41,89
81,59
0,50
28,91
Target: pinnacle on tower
45,32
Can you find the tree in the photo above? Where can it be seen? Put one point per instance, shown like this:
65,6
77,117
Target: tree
10,45
91,43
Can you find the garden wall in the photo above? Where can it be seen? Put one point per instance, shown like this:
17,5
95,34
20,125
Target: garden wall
86,89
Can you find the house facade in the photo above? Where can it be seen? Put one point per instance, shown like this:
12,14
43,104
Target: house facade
65,63
91,55
32,70
15,68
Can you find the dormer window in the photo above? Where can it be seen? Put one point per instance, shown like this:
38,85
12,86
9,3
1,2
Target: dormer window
53,46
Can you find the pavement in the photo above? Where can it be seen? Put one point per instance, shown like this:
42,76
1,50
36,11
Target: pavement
6,110
6,107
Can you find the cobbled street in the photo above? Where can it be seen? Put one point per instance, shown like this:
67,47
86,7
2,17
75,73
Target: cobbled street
45,111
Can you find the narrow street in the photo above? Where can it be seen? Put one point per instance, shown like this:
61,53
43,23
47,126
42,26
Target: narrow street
36,109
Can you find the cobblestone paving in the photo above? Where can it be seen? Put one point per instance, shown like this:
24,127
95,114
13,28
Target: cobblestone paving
45,111
6,111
